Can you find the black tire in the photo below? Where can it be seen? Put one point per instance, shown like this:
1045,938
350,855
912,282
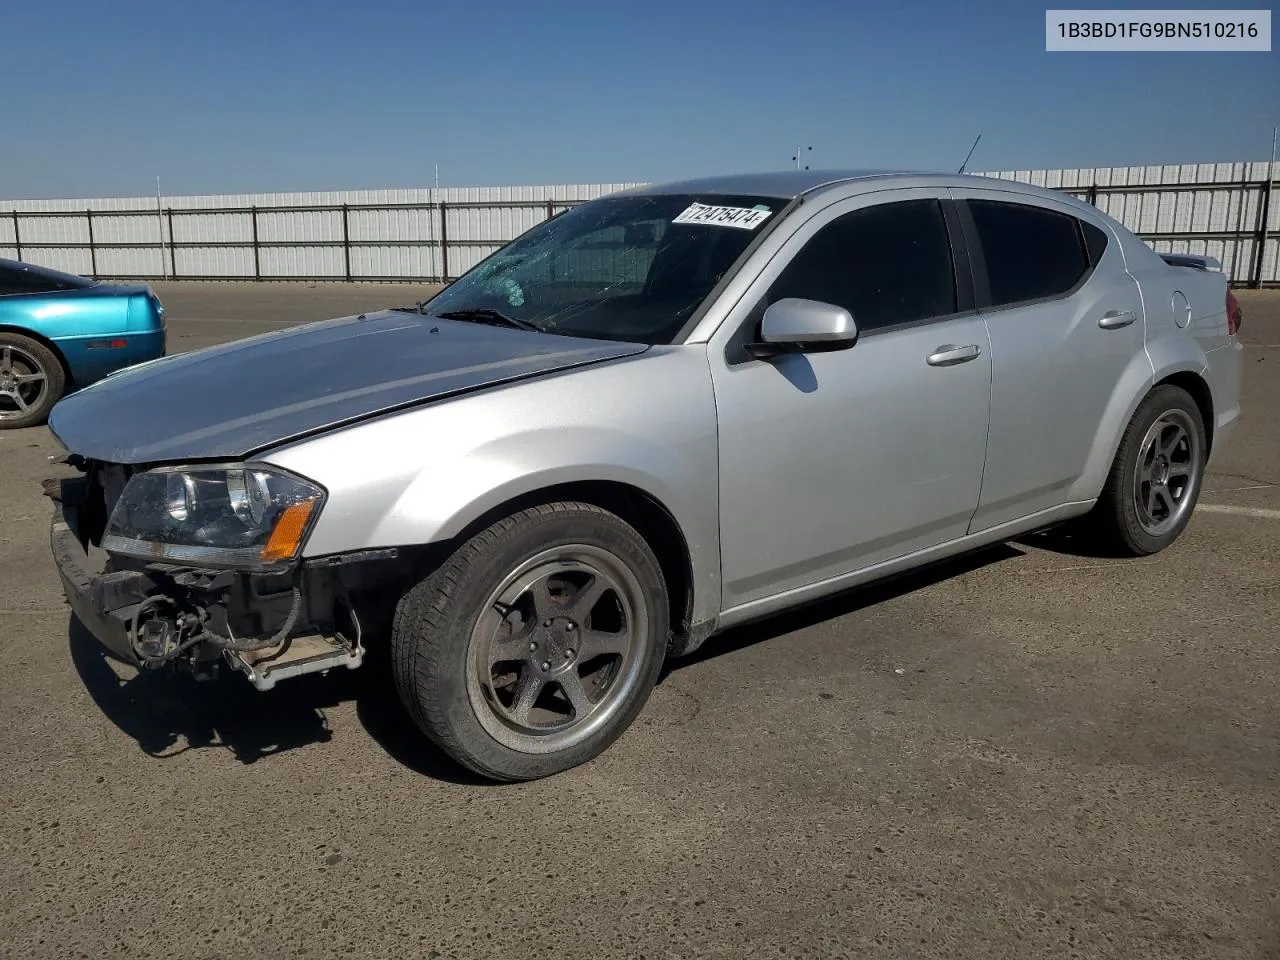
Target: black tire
23,353
1115,523
434,638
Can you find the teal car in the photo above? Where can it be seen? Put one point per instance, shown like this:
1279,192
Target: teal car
60,332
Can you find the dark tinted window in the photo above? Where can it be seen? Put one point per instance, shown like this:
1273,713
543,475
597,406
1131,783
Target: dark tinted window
1095,241
1030,252
17,277
885,264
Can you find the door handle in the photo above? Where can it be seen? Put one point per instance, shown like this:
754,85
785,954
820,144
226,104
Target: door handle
949,354
1115,319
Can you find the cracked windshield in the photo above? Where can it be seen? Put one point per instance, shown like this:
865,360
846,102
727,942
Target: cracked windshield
631,268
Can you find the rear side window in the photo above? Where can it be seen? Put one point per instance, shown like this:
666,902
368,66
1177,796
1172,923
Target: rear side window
885,264
19,278
13,281
1031,253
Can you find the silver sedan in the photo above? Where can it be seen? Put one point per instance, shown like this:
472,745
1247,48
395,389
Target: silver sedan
656,416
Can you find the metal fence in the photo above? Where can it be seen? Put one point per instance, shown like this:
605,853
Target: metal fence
378,235
1222,210
270,243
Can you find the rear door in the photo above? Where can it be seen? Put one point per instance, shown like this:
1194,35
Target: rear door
1066,321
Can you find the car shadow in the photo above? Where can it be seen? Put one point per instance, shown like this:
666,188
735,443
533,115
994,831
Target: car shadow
168,712
841,604
797,370
1070,541
384,718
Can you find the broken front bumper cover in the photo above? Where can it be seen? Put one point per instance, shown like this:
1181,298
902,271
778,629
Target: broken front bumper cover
105,604
115,606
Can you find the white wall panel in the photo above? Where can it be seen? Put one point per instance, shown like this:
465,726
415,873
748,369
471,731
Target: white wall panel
214,262
301,262
140,228
211,227
381,262
69,230
132,262
68,259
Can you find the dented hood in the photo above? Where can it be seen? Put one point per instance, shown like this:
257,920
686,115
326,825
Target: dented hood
233,400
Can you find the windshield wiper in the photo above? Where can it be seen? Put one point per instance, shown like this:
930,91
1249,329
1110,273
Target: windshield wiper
483,315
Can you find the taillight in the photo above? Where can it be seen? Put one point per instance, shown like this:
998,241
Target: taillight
1234,314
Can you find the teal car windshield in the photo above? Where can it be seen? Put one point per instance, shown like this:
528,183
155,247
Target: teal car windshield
631,268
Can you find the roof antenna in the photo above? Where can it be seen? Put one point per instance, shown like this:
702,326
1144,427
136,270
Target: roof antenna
970,154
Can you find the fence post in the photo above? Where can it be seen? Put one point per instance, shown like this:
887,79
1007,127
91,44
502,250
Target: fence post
93,252
1264,220
444,242
1240,273
551,209
173,257
346,240
17,240
257,265
1093,194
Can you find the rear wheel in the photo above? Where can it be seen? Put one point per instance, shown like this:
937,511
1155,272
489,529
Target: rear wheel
31,381
1156,476
536,644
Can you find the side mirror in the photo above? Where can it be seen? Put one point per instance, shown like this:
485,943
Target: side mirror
794,325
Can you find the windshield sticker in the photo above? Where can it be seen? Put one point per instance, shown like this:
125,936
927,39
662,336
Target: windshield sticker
740,217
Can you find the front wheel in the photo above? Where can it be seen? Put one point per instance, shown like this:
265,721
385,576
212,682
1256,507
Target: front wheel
1155,479
535,645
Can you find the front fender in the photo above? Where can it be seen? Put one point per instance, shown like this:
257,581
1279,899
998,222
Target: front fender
423,475
518,465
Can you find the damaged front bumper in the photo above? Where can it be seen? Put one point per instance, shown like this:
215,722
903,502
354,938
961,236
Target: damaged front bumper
103,604
267,626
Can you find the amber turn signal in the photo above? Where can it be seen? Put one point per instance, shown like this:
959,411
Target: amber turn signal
286,538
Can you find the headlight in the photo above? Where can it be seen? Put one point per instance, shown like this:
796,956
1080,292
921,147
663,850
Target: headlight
243,516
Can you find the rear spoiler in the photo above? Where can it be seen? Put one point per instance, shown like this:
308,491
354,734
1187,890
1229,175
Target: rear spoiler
1193,260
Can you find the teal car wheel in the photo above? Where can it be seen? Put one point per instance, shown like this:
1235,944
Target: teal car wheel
31,381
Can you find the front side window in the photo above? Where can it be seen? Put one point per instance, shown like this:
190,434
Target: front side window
886,264
1031,253
631,268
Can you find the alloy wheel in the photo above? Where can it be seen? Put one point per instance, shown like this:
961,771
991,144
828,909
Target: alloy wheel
1168,472
23,383
557,648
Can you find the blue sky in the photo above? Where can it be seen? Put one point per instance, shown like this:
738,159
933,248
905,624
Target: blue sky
235,96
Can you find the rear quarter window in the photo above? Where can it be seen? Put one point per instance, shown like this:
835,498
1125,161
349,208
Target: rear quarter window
1095,242
1031,253
27,278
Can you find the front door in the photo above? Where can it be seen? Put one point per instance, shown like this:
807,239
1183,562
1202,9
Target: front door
833,462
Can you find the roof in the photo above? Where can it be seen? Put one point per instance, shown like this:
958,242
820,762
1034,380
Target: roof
782,184
789,184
